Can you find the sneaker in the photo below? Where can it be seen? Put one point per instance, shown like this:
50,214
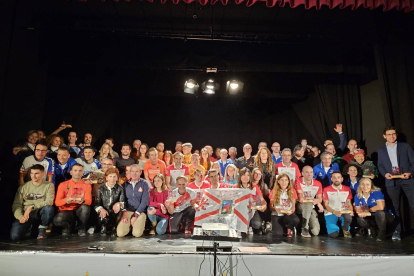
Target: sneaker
347,234
360,232
250,231
42,233
66,231
91,230
289,233
268,227
103,230
82,232
396,236
305,233
381,236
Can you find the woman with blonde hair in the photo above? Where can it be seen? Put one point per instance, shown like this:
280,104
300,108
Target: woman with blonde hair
264,162
282,203
54,142
157,212
105,152
371,210
245,182
109,201
205,160
214,166
230,175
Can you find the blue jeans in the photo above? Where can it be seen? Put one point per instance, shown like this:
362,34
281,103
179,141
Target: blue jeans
44,215
162,223
332,224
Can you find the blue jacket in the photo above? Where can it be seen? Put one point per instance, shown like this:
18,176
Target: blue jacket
63,174
138,197
405,156
320,175
277,160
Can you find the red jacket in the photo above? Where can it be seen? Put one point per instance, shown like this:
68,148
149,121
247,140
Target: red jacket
156,199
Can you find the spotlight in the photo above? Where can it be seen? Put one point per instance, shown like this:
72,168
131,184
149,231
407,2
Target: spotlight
210,86
190,86
234,86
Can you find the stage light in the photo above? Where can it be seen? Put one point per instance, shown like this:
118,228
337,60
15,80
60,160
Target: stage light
210,86
191,86
234,86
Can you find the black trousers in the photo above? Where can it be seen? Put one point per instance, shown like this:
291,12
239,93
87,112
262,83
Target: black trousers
187,215
381,219
111,220
66,218
394,192
281,222
256,221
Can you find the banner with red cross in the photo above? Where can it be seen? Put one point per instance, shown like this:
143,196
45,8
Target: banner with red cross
229,206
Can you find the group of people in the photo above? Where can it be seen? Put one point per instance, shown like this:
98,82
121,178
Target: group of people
68,185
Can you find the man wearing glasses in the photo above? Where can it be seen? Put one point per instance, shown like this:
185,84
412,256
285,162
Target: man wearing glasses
276,156
39,157
396,164
247,160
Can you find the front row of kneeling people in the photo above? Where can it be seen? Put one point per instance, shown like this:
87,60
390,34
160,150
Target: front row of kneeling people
120,208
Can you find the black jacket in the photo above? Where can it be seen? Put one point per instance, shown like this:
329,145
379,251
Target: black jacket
107,197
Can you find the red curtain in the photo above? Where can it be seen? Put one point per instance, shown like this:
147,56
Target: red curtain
406,5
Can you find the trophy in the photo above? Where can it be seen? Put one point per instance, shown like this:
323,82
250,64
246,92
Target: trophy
367,170
365,210
285,206
171,198
255,202
76,194
95,177
396,172
345,208
66,125
307,197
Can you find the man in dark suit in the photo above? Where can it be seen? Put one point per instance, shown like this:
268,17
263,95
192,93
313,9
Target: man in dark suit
397,157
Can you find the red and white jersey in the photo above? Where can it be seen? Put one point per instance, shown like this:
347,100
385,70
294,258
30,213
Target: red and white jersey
183,201
336,197
199,190
174,172
284,202
292,165
309,192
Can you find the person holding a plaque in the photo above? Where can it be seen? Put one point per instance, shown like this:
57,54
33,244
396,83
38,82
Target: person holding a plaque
352,146
370,208
157,212
257,201
396,164
309,192
137,193
176,169
198,185
73,199
282,204
338,206
110,201
287,166
324,170
181,206
368,168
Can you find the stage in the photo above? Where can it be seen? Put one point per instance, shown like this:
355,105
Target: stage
181,255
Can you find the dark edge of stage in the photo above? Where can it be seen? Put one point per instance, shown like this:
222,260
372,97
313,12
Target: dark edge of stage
362,246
